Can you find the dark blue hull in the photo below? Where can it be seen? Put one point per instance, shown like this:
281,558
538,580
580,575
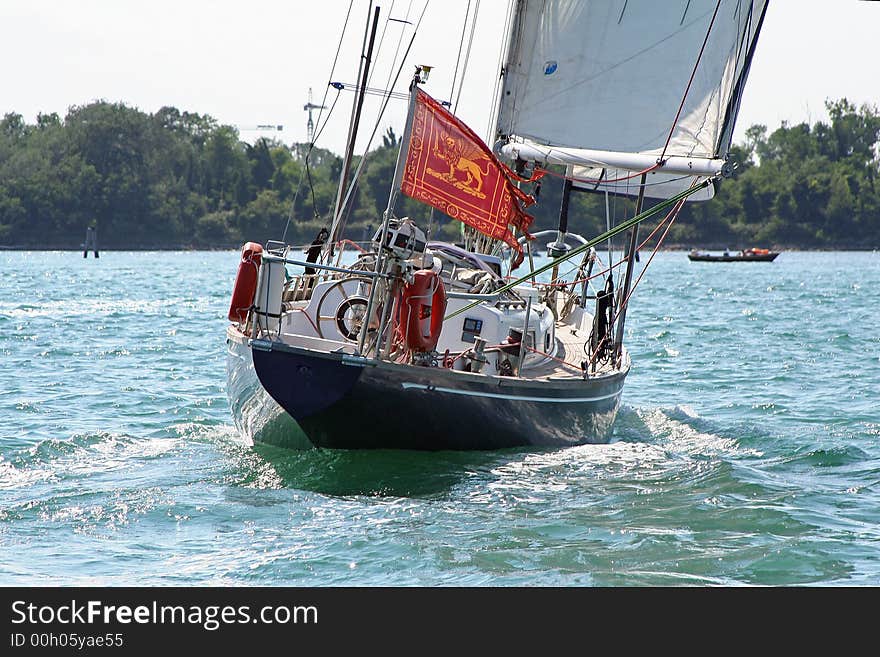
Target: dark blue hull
342,401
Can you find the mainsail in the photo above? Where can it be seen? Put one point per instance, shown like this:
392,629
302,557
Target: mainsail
598,85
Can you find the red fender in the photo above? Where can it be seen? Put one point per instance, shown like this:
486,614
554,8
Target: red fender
422,307
245,282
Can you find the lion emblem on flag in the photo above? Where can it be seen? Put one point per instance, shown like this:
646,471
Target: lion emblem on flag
462,159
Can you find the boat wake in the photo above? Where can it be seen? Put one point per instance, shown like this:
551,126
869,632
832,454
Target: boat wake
646,442
378,473
681,430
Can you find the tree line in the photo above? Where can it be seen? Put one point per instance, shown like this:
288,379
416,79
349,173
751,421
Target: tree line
175,179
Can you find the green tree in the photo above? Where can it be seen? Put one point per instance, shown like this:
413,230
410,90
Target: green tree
178,178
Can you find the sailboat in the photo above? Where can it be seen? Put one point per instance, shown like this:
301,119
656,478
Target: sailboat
426,345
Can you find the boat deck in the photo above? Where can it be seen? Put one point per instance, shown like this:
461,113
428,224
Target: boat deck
569,356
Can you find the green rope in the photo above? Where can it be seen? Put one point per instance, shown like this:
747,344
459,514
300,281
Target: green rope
626,225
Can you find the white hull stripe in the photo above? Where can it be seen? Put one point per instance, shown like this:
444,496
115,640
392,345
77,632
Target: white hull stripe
495,395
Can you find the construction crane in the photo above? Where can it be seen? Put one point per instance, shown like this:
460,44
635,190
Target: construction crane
310,125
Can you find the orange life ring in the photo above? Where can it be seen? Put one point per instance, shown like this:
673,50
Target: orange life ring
421,310
245,282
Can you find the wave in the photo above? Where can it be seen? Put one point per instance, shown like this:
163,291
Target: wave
681,430
98,481
831,457
94,453
74,308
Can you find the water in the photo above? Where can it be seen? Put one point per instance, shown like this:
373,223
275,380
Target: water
746,451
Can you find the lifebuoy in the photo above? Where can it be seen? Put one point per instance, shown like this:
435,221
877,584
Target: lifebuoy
245,282
421,310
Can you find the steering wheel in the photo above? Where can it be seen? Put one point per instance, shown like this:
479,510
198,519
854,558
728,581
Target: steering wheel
348,299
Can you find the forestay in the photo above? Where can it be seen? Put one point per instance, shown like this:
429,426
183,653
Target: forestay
597,86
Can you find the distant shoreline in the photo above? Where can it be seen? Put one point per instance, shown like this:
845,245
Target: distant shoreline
102,249
670,248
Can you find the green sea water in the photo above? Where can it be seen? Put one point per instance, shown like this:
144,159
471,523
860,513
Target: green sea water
747,450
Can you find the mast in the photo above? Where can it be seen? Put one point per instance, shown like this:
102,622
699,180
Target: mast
352,133
559,247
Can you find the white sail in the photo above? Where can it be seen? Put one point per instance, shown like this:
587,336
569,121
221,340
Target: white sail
597,85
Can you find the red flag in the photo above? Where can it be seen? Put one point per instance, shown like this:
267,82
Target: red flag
450,168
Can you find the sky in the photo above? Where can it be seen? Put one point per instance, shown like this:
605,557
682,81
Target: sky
252,63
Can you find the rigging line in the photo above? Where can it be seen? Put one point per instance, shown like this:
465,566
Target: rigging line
388,95
483,245
492,127
611,267
353,122
364,157
591,358
312,189
320,112
624,225
542,353
305,168
335,60
397,49
329,114
564,284
686,7
515,111
374,91
308,155
460,46
615,189
302,174
672,216
690,82
608,223
741,46
601,181
405,21
381,40
745,33
467,55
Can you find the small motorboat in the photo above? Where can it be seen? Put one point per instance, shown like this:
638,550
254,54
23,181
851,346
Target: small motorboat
746,255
